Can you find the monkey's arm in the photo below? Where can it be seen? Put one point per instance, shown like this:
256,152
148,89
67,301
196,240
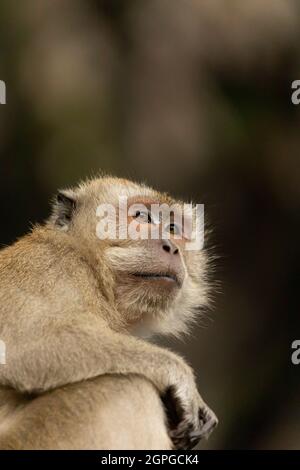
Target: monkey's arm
76,351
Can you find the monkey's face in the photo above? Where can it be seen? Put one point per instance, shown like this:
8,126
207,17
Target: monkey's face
158,283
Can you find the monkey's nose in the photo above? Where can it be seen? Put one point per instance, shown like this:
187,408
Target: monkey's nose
168,246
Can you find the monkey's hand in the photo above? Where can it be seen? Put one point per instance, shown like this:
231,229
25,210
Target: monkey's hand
189,418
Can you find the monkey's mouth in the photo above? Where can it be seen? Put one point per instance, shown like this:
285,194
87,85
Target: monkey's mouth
165,277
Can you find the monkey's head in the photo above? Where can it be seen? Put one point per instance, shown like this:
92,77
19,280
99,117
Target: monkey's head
142,240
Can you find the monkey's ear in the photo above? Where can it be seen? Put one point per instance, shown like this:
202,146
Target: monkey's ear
63,209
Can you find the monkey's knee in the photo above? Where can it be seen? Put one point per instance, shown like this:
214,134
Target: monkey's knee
130,414
106,413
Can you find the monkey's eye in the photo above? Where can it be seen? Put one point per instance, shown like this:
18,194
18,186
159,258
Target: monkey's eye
173,229
143,216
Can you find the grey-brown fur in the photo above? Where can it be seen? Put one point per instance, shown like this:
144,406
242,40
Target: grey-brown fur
66,327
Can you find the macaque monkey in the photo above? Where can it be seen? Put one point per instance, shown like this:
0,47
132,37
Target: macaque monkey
75,310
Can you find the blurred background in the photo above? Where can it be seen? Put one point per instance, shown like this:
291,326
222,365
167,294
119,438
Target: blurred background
193,97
